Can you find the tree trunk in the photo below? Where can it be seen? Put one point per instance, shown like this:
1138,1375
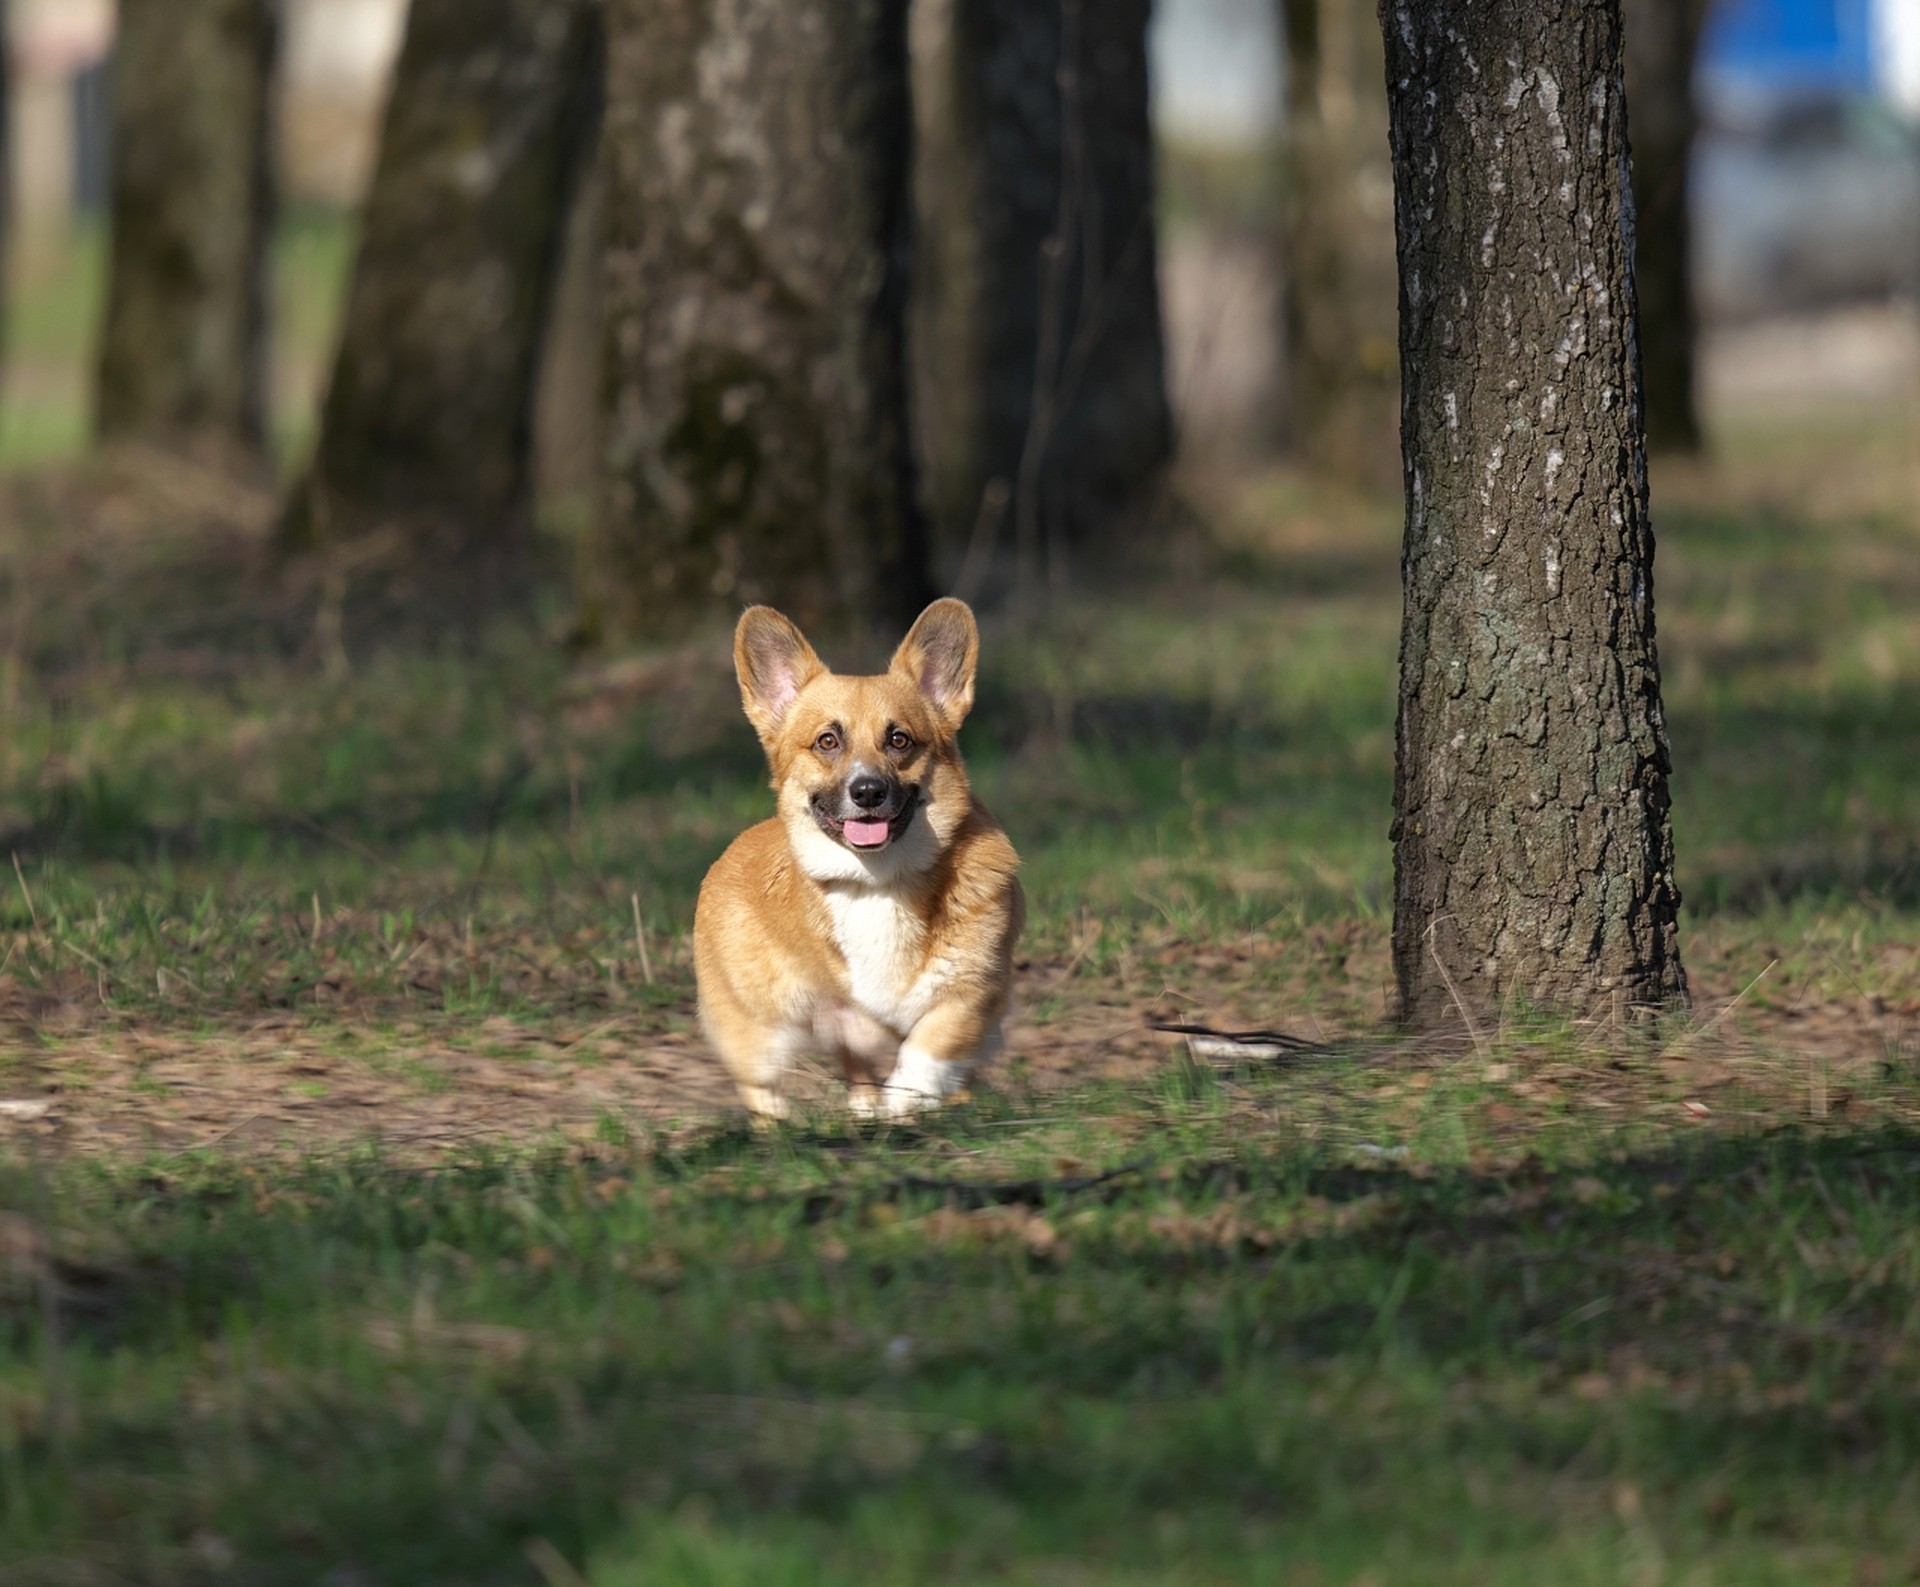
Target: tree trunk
427,429
183,353
1663,38
1533,856
1042,361
757,442
1343,394
6,177
567,408
987,191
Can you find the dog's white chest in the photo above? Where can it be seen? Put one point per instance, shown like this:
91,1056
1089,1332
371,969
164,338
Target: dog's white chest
885,945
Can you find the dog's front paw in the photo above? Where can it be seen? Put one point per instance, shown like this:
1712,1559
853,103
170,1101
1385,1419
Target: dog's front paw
919,1082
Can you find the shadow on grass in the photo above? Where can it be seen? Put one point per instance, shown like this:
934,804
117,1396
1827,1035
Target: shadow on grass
1158,741
413,1375
1814,798
1889,878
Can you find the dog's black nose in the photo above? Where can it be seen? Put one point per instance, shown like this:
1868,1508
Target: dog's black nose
868,791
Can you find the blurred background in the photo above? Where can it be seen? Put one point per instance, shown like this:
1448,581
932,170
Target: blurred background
337,60
1804,199
315,351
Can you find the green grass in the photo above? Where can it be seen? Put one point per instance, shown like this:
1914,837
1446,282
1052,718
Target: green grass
820,1359
1566,1309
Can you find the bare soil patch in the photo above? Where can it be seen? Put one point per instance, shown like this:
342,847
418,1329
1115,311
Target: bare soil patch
288,1084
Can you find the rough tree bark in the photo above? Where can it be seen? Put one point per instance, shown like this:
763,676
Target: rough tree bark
1041,354
183,352
1342,383
427,428
757,442
1533,856
1663,38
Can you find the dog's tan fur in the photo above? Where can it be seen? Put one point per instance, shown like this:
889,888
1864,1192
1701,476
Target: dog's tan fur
896,962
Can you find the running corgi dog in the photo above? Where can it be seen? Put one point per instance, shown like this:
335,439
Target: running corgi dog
873,919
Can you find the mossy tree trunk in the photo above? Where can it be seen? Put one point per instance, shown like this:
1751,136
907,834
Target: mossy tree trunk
183,351
427,430
1042,360
757,445
1339,282
1663,39
1533,855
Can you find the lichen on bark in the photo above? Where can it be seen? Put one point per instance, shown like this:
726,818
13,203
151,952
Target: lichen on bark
1533,850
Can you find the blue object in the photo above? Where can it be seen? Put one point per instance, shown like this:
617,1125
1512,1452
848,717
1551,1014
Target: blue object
1792,43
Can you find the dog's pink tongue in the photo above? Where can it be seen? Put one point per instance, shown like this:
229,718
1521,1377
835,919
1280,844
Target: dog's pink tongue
866,834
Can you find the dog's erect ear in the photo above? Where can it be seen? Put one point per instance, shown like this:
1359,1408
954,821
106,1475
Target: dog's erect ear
774,663
939,654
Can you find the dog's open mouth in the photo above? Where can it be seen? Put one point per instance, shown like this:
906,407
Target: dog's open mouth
869,834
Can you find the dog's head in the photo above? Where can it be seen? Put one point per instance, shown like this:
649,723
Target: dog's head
867,770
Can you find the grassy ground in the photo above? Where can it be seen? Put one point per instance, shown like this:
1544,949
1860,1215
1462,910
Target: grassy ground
374,1217
386,1225
964,1356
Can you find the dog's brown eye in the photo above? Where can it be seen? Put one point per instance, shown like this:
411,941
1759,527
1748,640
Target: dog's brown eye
827,742
898,741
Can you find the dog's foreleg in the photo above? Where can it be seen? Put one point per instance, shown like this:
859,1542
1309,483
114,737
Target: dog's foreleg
936,1058
757,1056
865,1048
860,1039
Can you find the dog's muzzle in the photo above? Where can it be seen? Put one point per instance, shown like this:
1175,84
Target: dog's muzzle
867,812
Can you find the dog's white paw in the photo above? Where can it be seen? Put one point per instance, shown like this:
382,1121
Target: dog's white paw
863,1101
919,1081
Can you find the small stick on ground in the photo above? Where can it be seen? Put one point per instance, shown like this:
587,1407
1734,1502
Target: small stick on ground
1453,991
32,913
640,937
1685,1040
220,1135
553,1566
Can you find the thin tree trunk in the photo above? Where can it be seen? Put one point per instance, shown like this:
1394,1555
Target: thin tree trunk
1342,384
1663,38
1042,354
567,410
183,352
1533,854
987,191
757,443
427,429
6,177
1115,434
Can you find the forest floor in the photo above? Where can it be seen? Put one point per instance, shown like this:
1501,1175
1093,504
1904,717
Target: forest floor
372,1213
